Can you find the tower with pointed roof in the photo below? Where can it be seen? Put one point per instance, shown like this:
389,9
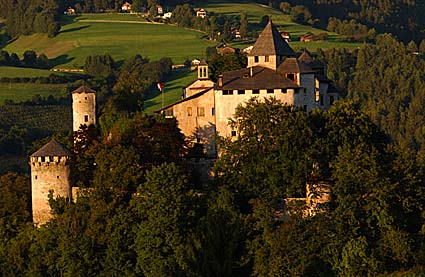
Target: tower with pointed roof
50,171
83,107
270,49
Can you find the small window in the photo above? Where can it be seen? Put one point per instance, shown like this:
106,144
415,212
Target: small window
241,91
255,91
331,100
233,133
168,113
290,76
85,98
201,111
86,118
227,92
57,177
198,140
256,59
284,90
43,159
189,111
266,59
321,100
35,177
212,111
270,91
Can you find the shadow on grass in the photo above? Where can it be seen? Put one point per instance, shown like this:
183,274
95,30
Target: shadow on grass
68,19
74,29
62,59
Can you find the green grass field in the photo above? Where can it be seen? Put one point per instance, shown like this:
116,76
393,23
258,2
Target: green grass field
172,90
24,91
12,72
79,39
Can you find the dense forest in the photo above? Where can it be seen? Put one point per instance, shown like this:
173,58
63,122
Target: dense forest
149,215
402,18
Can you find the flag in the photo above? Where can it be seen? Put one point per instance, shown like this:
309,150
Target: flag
160,86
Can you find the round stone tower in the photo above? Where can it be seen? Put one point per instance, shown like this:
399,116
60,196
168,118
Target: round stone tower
83,107
50,170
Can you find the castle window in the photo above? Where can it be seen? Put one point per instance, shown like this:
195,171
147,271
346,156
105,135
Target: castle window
266,59
255,91
331,100
233,133
213,111
241,91
85,98
201,111
227,92
284,90
43,159
256,59
57,177
86,118
290,76
198,140
321,100
35,177
189,111
168,113
270,90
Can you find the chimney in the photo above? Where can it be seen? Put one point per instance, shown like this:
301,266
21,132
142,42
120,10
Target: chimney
220,81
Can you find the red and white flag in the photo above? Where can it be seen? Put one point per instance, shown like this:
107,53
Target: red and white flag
160,86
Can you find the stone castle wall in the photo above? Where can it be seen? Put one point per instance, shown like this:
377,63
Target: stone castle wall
48,173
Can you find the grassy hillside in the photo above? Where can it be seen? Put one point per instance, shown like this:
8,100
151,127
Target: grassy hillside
120,35
256,11
23,91
12,72
172,90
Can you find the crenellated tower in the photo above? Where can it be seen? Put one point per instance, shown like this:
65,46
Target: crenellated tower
50,170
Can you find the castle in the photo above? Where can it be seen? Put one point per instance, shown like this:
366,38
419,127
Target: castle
203,113
273,70
50,165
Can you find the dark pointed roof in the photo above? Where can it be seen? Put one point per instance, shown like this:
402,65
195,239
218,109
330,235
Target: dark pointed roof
262,78
52,148
307,59
84,89
270,42
292,65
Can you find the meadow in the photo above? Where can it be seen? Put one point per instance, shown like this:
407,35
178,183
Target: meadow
23,91
121,36
172,90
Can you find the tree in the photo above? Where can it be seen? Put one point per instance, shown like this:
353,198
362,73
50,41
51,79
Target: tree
285,7
42,61
300,14
244,25
53,29
163,237
99,66
30,58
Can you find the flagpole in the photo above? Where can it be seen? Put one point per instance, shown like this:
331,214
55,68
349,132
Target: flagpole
162,92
